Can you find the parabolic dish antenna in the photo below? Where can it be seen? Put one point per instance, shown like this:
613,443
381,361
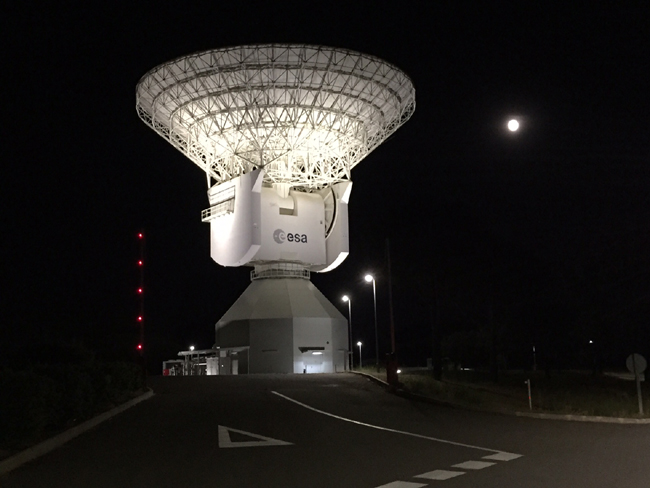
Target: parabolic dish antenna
306,115
277,128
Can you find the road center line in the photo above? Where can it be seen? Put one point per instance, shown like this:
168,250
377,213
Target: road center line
386,429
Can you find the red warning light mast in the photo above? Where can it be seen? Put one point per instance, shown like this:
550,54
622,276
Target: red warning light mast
140,291
140,318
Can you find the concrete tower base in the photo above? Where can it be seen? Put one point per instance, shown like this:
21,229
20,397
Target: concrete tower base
284,325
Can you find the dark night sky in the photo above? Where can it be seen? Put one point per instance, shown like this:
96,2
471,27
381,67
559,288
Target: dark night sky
551,226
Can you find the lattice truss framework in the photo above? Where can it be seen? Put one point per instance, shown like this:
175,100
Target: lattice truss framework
306,114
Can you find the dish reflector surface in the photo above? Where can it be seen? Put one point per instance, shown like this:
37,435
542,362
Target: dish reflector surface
305,114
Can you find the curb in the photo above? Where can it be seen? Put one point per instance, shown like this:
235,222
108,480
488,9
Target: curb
58,440
545,416
406,394
370,377
584,418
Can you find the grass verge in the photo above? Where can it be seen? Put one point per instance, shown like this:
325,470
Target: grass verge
566,392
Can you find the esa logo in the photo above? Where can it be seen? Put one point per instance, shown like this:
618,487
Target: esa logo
280,236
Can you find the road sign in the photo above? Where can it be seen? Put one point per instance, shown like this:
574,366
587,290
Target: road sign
636,363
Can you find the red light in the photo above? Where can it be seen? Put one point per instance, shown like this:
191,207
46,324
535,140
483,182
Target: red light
139,290
140,236
140,263
139,347
140,318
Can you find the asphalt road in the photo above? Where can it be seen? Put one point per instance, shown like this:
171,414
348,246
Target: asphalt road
345,432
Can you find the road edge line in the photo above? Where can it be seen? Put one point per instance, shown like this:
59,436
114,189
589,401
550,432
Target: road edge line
58,440
388,429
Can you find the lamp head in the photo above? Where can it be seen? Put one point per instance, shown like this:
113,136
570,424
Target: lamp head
345,298
369,278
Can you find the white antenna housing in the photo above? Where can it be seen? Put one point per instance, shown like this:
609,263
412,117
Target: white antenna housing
292,118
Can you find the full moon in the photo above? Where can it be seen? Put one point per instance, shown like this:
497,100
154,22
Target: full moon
513,125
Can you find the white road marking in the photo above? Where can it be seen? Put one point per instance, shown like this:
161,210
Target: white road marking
439,474
473,465
225,441
502,456
386,429
402,484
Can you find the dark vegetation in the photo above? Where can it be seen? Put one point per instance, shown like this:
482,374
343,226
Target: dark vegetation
49,388
563,270
569,392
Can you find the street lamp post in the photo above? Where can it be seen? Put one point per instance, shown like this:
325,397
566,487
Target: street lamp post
360,360
347,299
370,278
534,359
593,357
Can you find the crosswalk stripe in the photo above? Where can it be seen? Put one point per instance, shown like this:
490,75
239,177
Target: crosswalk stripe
473,465
402,484
439,474
502,456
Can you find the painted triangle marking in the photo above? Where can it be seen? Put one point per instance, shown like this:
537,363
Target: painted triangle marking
225,441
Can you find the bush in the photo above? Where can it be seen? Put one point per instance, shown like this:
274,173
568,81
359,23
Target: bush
121,377
49,397
25,406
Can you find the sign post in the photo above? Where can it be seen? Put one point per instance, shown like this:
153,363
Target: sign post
637,364
530,398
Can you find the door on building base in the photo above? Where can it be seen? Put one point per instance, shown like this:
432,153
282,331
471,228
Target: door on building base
312,363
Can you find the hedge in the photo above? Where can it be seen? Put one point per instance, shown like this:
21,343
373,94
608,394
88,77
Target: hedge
47,398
